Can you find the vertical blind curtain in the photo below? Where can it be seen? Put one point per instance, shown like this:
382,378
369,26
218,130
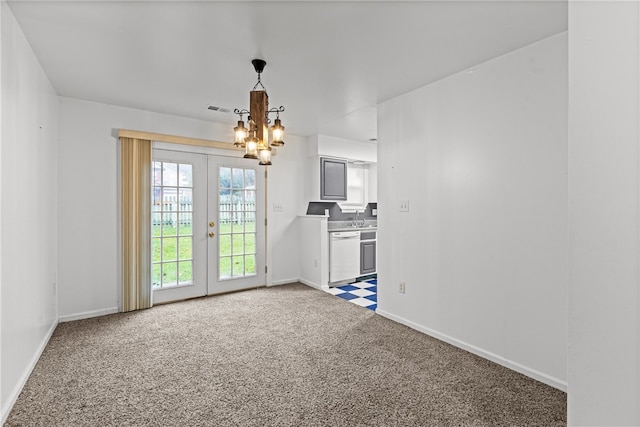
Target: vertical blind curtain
136,223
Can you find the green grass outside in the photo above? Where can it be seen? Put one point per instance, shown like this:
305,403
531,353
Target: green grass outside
236,252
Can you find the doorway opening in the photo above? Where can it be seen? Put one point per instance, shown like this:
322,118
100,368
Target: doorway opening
207,219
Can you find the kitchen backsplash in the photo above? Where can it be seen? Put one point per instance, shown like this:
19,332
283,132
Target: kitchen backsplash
336,214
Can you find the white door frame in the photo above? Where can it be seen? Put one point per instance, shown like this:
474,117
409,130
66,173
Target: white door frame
199,247
215,284
204,159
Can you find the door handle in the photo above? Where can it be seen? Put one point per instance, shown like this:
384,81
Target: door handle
212,224
211,234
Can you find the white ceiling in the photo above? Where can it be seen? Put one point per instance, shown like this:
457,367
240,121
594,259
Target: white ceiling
329,63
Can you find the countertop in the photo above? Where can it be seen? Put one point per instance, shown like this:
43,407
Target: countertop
346,226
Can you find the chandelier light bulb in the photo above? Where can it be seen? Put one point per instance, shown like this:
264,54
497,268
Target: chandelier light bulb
265,156
251,147
277,131
240,134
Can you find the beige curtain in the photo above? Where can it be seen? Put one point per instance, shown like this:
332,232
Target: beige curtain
136,223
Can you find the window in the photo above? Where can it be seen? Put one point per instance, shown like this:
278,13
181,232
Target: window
172,224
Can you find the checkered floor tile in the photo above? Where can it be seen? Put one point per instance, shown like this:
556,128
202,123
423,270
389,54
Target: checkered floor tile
365,294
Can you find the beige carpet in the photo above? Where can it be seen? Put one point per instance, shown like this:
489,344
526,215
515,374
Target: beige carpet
282,356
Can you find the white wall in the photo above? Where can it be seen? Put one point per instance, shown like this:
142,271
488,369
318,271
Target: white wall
346,149
482,158
28,154
604,335
373,183
89,278
285,188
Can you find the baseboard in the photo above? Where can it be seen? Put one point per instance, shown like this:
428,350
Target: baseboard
313,285
13,396
284,282
524,370
88,314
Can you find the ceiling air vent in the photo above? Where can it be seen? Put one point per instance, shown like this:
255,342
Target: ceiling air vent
218,109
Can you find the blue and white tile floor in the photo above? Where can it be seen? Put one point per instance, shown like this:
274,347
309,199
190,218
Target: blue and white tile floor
364,294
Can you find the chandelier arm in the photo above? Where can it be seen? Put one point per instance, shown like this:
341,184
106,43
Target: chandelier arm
280,109
241,112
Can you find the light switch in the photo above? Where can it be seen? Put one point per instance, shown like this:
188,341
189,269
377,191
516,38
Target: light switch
278,207
404,206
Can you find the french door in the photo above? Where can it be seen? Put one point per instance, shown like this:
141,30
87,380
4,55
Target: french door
207,225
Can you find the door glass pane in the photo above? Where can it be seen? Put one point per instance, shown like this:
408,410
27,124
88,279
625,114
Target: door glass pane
185,272
172,224
156,222
184,248
168,224
250,264
185,200
225,244
250,243
250,221
225,267
157,275
236,216
238,266
249,178
225,177
224,219
169,174
169,274
186,225
238,177
238,222
186,175
169,249
225,205
238,244
250,200
156,250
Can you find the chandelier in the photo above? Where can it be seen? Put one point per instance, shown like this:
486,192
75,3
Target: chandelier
255,139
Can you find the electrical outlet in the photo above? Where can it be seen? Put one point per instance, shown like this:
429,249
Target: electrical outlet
401,288
278,207
404,206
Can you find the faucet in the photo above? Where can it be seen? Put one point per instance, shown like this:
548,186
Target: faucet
355,221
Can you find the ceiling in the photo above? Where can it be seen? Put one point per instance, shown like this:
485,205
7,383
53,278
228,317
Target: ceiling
328,62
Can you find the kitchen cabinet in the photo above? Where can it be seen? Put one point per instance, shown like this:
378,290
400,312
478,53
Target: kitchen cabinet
344,181
333,179
368,253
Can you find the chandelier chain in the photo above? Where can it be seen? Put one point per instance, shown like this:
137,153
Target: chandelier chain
259,83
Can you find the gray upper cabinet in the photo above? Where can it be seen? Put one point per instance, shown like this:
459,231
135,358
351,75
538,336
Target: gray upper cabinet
333,179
